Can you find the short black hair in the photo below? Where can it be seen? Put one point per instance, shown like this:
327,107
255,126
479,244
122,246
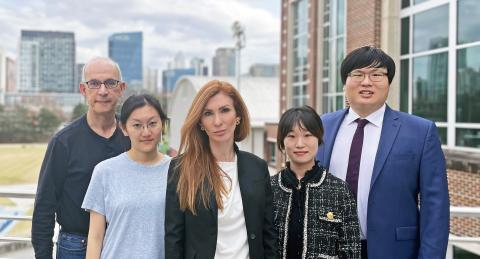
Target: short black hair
138,101
305,117
367,56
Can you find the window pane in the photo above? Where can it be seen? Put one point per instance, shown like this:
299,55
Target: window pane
340,56
405,3
405,42
419,1
430,79
468,26
339,104
442,133
340,16
430,29
404,85
468,138
468,85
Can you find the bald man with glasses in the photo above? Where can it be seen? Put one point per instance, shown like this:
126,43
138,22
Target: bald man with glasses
69,161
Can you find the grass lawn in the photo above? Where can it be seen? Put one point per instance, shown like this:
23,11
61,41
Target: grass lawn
20,163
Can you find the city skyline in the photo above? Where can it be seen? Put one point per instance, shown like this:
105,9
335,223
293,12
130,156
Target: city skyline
196,28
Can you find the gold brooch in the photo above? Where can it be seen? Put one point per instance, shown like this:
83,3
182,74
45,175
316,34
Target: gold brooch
330,215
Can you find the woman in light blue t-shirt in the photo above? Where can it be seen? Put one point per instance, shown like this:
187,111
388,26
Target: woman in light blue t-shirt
127,192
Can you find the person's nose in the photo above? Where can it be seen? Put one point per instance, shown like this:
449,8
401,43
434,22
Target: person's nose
300,142
366,80
217,120
103,89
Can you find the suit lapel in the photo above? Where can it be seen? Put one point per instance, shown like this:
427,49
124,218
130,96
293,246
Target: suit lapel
330,135
390,127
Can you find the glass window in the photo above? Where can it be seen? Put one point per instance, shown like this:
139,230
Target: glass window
339,104
468,29
468,138
405,3
430,79
340,17
468,85
328,105
404,85
442,133
430,29
340,55
272,148
419,1
405,41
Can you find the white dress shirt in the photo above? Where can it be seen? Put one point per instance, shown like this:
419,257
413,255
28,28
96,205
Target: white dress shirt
341,152
232,240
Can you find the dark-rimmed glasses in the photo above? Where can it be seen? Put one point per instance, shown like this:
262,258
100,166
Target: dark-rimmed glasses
96,84
357,76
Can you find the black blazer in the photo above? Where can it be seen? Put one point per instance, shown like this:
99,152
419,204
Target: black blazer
195,236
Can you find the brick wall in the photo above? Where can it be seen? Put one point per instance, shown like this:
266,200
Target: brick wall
464,189
363,23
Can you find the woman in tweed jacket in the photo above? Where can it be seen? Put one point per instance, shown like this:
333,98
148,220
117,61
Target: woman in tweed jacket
315,213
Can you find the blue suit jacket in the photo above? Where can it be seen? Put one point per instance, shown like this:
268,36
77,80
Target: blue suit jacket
408,205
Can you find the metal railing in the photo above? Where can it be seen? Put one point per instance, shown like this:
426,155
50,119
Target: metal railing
454,212
21,194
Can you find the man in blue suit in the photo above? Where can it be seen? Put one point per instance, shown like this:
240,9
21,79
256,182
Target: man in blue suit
392,162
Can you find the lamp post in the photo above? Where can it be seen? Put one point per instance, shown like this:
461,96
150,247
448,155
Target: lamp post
239,35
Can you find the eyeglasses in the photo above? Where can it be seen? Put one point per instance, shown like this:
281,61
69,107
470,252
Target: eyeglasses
374,76
96,84
152,125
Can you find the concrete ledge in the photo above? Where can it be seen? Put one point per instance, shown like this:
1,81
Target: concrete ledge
461,160
6,247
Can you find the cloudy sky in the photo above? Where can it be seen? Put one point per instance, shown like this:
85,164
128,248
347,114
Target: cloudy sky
194,27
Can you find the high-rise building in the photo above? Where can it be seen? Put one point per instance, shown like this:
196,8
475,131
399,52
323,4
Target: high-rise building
224,62
199,66
150,80
46,61
126,49
264,70
78,76
3,71
11,80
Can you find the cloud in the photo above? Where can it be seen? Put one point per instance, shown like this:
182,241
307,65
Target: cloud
196,28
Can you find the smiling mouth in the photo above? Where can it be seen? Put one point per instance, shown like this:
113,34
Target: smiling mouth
219,132
365,92
301,153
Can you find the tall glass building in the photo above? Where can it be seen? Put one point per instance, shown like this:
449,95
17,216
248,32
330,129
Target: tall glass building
46,61
126,49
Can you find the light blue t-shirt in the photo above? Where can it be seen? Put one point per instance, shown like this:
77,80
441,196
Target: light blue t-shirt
131,196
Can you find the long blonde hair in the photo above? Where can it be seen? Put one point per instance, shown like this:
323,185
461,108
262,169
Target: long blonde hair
197,170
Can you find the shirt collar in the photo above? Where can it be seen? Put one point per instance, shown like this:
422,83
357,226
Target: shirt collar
375,118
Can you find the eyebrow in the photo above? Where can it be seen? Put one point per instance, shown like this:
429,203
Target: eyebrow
153,117
221,107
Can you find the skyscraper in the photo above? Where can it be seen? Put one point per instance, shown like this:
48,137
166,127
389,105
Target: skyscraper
46,61
126,49
223,62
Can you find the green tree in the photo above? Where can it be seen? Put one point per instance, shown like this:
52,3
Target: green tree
47,122
79,110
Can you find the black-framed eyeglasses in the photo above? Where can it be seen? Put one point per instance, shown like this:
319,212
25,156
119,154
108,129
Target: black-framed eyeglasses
96,84
360,76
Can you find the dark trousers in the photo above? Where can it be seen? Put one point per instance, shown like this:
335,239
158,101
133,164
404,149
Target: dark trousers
364,249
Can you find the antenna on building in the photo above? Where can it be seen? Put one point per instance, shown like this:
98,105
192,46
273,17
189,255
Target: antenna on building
239,35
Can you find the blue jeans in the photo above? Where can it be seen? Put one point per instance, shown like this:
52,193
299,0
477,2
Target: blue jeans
71,246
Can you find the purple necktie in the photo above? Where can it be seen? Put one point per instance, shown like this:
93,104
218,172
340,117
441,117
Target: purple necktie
355,155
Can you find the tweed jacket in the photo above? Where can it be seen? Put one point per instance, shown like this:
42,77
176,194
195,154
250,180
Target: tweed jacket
330,227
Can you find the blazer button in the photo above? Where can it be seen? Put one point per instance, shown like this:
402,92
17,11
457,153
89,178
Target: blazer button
252,236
